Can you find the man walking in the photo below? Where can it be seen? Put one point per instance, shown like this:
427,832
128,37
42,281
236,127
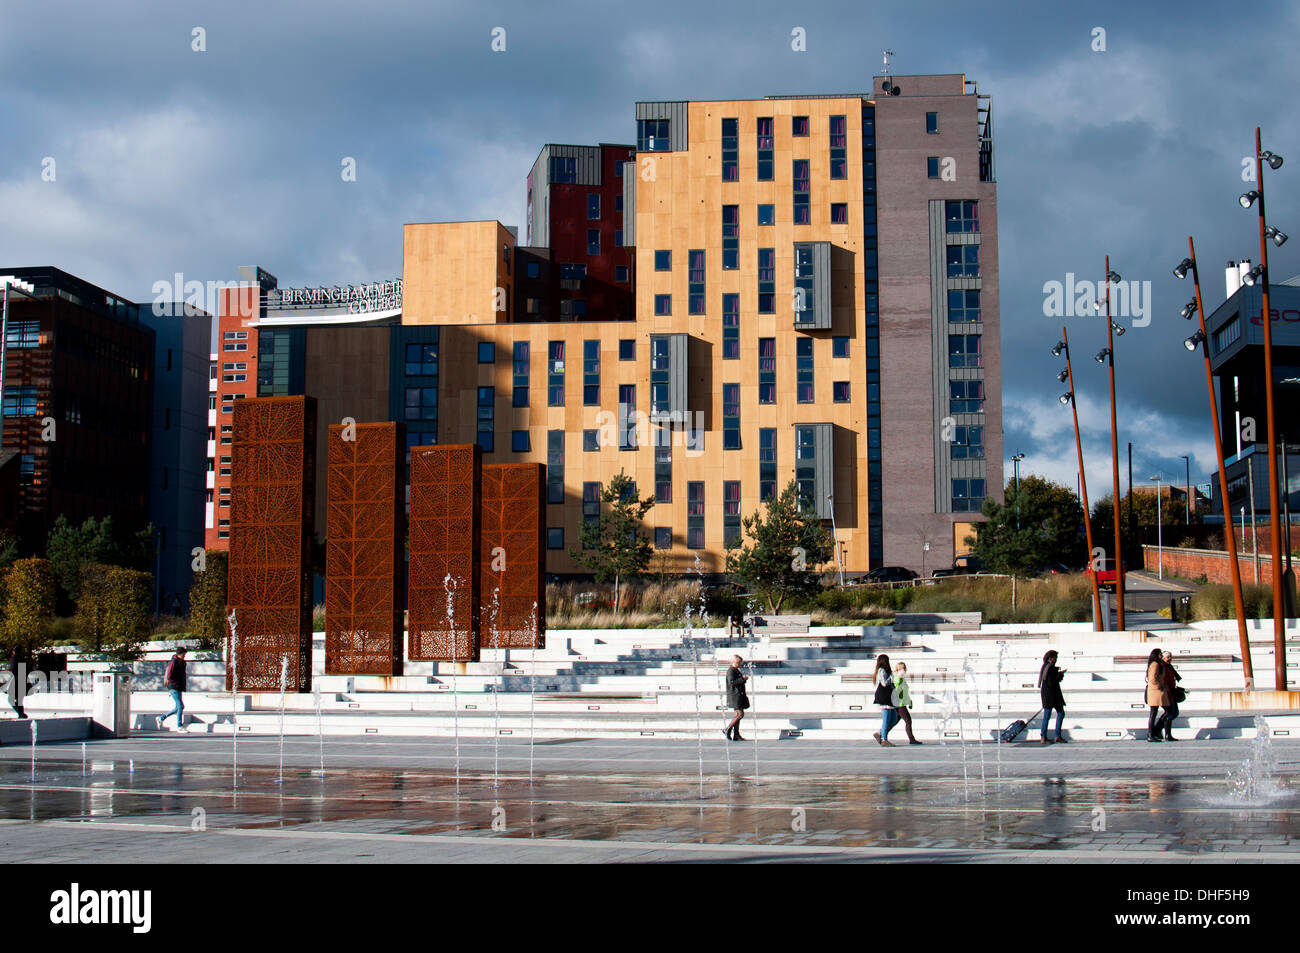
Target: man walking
174,681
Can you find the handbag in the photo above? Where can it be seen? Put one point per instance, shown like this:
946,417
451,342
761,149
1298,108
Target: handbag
1180,695
884,694
744,703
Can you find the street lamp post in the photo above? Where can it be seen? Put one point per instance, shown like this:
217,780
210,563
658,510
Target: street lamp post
1015,461
839,561
1189,505
1098,623
1160,532
1230,536
1107,356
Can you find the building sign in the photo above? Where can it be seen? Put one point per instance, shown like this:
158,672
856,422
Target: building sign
352,299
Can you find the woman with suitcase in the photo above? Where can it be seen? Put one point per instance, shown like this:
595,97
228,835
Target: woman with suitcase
1049,690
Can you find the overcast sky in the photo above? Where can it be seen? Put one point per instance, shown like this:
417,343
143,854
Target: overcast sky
170,160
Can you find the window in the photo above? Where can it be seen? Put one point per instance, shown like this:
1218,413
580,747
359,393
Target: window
963,305
26,333
695,279
564,169
730,150
572,271
763,130
225,347
487,418
964,351
801,192
961,216
730,327
766,463
26,469
519,395
730,512
487,352
627,416
591,373
590,441
20,402
1227,335
663,260
422,360
618,239
767,370
766,214
804,274
421,403
730,237
590,505
555,537
620,271
967,496
555,374
804,370
839,141
839,213
660,372
663,304
593,241
695,515
932,167
805,462
839,347
932,122
799,126
627,349
652,135
965,397
663,465
967,443
618,199
663,537
963,261
767,281
555,466
534,269
730,416
840,392
519,441
593,207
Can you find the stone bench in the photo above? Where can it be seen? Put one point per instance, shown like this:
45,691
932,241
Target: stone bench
937,621
781,624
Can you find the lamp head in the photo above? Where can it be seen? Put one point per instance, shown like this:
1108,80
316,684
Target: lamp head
1247,199
1253,275
1063,376
1193,342
1279,238
1066,398
1189,309
1118,329
1113,277
1102,355
1060,346
1180,271
1274,161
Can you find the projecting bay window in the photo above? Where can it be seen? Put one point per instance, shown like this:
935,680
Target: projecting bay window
521,361
663,465
627,416
801,192
555,374
555,466
767,281
591,373
730,237
839,143
667,375
766,463
812,282
731,327
695,515
730,416
813,466
804,370
765,149
695,277
730,150
767,370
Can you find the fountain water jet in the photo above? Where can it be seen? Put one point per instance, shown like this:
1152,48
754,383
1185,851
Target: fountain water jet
284,683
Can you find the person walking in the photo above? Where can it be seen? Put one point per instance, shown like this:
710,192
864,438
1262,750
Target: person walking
887,698
737,699
174,682
904,701
1049,692
1176,694
1157,696
18,680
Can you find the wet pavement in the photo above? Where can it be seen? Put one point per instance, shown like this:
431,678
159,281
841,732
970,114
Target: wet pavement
172,798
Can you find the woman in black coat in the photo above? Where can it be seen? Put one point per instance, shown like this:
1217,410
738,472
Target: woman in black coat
1049,690
737,699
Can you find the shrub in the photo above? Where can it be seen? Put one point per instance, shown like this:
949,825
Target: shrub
208,601
1215,601
29,604
114,610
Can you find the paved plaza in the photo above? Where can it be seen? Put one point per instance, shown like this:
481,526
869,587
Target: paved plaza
170,798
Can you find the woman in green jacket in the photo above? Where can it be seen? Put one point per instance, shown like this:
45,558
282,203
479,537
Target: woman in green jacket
904,700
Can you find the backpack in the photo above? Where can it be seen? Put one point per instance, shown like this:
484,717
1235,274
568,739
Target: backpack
169,679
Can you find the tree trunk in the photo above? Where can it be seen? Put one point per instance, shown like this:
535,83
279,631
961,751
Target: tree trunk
616,593
1013,592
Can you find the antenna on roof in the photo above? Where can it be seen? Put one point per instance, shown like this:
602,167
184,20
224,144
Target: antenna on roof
884,69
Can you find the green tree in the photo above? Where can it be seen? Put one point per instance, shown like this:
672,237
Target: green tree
613,546
788,543
208,600
29,604
1041,523
129,611
8,550
69,548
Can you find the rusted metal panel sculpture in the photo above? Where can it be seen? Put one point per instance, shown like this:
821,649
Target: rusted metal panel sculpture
363,550
271,531
512,560
444,548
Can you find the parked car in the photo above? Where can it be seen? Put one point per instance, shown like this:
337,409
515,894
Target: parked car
964,565
890,574
1107,577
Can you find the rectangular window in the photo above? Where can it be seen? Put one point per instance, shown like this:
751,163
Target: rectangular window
521,373
766,463
695,281
627,349
839,213
730,150
590,441
962,216
663,465
695,515
487,418
767,370
805,463
801,188
931,122
652,135
534,269
555,466
765,146
965,397
804,275
591,504
627,416
839,347
593,207
964,351
967,443
555,537
620,271
564,169
487,352
963,305
663,304
766,214
421,403
730,512
660,372
932,167
572,271
591,373
421,360
663,537
730,237
519,441
27,333
799,126
804,370
555,374
730,416
1227,335
839,152
618,241
618,199
967,496
840,392
663,260
730,327
963,261
20,402
767,281
593,241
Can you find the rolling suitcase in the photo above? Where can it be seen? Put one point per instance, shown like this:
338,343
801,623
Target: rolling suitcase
1012,731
